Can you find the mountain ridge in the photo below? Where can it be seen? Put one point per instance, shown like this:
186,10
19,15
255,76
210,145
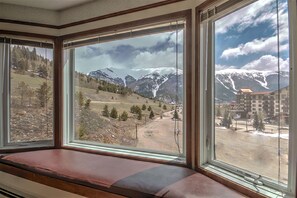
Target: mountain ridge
161,82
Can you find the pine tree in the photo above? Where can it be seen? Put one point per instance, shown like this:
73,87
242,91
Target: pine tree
164,107
229,122
256,121
43,94
124,116
261,125
143,107
175,115
114,113
226,120
149,108
105,111
139,117
152,115
23,89
160,105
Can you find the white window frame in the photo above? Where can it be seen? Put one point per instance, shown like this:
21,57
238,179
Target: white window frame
207,107
69,95
5,85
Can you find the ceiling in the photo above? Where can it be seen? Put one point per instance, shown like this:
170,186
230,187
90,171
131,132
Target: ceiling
54,5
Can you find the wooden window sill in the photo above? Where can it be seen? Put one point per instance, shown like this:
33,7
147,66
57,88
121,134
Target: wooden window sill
84,173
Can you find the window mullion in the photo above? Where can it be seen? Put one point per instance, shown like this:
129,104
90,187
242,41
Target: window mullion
6,93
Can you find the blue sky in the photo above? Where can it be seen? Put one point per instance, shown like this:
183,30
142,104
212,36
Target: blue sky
247,39
150,51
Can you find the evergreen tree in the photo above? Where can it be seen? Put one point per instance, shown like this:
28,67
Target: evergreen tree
164,107
261,125
34,54
160,105
114,113
42,71
143,107
175,115
43,94
23,90
139,114
105,111
227,121
152,115
256,121
124,116
149,108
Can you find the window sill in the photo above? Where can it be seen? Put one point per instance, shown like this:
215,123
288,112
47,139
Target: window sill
72,170
131,154
261,190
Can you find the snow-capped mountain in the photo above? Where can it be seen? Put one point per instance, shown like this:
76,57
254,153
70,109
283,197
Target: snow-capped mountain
159,83
229,81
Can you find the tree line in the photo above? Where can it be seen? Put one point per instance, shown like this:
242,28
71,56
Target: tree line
23,60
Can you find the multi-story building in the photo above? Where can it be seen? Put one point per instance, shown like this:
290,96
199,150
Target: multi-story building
250,102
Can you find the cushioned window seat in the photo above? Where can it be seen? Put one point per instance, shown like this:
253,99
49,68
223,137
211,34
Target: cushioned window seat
124,177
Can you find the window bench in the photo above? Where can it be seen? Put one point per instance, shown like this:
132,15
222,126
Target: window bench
110,176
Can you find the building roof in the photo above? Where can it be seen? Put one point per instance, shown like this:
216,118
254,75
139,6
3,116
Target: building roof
261,93
245,90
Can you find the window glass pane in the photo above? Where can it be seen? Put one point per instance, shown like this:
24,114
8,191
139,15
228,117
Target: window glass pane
129,92
31,94
252,89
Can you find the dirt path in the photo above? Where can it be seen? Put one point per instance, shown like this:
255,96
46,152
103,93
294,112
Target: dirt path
159,135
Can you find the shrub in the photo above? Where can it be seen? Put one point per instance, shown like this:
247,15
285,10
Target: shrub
80,98
43,94
87,103
164,107
149,108
82,131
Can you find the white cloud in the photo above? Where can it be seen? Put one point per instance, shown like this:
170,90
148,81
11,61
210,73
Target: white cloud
253,15
257,45
219,67
158,59
250,15
268,63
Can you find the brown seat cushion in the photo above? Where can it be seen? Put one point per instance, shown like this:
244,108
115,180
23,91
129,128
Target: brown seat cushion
122,176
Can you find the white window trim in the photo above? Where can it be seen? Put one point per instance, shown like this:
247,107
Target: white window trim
207,107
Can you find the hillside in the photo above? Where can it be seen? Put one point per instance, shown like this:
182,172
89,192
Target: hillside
157,83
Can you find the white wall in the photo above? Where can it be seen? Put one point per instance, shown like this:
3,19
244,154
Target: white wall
99,8
22,13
